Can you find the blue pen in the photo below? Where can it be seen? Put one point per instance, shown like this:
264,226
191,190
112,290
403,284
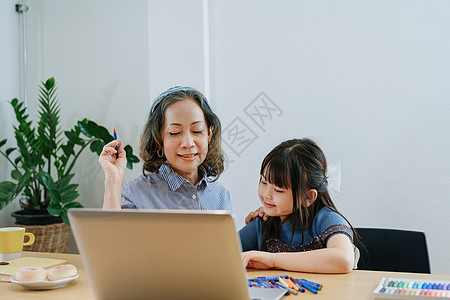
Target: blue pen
117,147
309,288
311,282
269,282
298,284
276,284
263,283
268,278
315,285
251,283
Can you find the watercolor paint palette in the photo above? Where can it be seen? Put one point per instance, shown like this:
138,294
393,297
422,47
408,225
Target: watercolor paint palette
401,288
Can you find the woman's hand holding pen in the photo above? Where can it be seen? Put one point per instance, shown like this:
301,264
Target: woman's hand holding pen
113,165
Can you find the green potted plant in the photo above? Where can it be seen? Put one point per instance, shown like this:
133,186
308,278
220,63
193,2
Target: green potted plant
43,160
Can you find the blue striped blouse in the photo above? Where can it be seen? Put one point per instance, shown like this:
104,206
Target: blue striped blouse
168,190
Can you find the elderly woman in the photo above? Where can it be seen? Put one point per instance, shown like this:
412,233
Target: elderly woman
182,154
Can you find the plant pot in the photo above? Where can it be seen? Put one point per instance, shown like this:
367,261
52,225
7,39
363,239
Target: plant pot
51,234
29,216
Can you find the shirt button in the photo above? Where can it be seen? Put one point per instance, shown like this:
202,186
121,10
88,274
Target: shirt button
194,197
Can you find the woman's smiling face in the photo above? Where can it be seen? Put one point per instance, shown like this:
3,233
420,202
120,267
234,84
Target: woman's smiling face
185,137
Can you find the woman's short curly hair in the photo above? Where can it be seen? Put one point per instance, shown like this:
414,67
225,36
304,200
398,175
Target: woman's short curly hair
151,137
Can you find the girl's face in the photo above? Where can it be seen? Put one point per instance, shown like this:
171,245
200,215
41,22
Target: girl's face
185,137
277,202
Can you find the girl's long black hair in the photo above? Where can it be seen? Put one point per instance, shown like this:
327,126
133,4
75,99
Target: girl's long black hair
298,164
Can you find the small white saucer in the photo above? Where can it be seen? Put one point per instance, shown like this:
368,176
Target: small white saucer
44,285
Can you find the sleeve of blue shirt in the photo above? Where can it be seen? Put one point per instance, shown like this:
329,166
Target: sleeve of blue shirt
249,235
326,218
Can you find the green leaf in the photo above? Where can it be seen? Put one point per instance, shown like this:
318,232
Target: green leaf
68,150
72,136
65,218
99,132
14,102
73,205
55,196
77,130
92,128
69,196
96,146
131,158
9,150
3,142
128,150
62,182
64,160
83,125
10,196
47,180
49,83
27,192
67,188
48,125
66,208
23,180
15,174
54,209
7,187
104,134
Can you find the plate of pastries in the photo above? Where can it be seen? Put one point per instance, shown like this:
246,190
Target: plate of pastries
35,278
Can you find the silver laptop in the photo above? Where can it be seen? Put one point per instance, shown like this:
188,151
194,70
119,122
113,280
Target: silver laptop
163,254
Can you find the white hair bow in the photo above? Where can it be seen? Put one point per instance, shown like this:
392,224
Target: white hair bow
334,176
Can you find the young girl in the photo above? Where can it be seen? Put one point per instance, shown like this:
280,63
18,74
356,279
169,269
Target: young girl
304,231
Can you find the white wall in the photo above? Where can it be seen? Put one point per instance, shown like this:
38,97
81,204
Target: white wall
175,45
98,53
366,79
10,79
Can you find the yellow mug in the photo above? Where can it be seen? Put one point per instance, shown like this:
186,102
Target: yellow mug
12,242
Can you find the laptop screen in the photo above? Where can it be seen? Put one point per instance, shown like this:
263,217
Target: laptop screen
160,254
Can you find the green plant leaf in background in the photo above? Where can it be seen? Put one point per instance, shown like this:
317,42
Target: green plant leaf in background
131,158
42,150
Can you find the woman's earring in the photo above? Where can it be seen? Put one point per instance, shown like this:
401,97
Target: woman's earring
210,170
160,152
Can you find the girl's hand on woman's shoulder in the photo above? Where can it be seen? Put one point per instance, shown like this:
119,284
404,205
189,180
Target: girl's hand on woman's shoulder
257,213
257,260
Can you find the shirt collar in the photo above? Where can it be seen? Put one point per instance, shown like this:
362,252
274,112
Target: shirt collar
174,180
